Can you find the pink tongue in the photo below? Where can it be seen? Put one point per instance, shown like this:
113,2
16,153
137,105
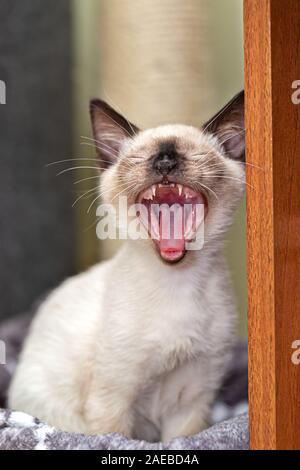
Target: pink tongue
171,234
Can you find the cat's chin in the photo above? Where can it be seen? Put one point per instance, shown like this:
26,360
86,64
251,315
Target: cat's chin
171,217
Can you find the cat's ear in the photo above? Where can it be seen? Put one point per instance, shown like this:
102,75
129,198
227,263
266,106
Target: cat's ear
228,125
110,130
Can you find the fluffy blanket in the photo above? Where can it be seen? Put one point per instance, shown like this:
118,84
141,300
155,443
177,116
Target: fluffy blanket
21,431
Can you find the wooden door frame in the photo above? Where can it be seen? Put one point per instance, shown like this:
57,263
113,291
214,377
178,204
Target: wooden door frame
272,40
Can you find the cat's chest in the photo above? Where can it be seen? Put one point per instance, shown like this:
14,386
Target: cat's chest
171,333
168,301
166,319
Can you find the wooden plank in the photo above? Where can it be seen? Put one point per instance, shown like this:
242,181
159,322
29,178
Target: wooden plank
272,39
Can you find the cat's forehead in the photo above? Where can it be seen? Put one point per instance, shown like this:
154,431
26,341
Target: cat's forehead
184,138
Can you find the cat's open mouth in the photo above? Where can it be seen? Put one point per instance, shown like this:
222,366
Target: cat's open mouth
173,213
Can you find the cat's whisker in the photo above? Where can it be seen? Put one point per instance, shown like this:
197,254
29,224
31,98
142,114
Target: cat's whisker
231,137
78,168
86,179
203,163
120,185
84,194
208,166
239,163
211,166
202,155
93,202
98,197
209,189
228,177
102,143
129,164
224,154
107,191
106,136
252,165
101,160
71,160
216,116
91,226
103,148
114,156
132,185
192,182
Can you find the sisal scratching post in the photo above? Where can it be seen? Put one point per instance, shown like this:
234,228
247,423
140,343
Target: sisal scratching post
156,63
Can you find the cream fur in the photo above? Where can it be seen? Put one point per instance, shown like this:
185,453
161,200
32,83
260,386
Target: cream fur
135,345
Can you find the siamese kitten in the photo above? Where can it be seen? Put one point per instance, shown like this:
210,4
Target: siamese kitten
139,345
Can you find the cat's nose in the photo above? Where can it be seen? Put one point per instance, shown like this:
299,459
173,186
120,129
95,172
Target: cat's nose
164,163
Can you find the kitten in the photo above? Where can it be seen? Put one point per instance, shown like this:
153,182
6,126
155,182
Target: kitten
139,344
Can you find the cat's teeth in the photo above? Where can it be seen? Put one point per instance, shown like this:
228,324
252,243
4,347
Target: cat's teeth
179,186
172,185
148,195
187,193
153,189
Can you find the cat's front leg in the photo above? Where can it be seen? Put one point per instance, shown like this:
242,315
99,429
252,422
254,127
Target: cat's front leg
188,419
108,405
108,411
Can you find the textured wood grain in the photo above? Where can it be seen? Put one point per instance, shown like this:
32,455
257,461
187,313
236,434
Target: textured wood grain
272,35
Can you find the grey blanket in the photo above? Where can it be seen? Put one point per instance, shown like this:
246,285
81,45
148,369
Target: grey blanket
21,431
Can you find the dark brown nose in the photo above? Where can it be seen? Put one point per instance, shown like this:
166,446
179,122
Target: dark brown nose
164,163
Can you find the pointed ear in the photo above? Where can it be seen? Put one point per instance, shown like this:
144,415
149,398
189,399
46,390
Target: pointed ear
228,125
110,130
